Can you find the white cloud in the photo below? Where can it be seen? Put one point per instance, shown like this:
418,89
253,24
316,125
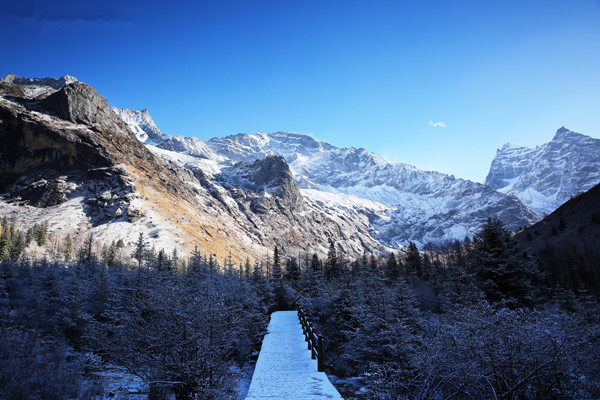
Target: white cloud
438,124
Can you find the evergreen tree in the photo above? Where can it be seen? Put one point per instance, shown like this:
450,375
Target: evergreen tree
68,248
292,272
213,265
5,239
413,260
503,271
276,271
392,269
111,255
85,252
315,264
247,269
175,259
195,267
18,245
257,272
140,250
331,265
163,263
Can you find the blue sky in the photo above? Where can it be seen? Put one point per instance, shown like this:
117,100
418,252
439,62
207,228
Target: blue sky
437,84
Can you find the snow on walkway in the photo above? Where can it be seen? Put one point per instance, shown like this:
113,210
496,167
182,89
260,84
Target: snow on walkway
284,369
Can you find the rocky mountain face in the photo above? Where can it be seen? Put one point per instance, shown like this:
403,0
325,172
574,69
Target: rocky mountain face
546,176
400,202
65,152
142,125
403,203
67,157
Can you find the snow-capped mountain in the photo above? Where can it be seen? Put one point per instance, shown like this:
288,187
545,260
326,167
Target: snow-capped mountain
241,193
67,158
30,88
548,175
51,82
403,203
142,124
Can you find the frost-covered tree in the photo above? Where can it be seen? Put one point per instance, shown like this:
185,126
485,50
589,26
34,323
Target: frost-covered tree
139,254
276,272
331,265
503,271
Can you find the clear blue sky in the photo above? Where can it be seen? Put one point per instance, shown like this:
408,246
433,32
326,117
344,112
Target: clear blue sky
437,84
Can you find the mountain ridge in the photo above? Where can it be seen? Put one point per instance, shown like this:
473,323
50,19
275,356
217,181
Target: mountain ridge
257,191
548,175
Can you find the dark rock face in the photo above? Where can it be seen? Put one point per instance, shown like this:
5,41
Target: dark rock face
82,104
272,175
82,141
44,193
27,143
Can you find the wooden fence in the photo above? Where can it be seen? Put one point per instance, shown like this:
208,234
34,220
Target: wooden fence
315,342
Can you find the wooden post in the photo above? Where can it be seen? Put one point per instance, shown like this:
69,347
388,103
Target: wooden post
314,341
321,360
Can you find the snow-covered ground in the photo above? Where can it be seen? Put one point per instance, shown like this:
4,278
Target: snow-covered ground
284,369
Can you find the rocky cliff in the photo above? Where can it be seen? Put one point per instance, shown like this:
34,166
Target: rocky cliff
548,175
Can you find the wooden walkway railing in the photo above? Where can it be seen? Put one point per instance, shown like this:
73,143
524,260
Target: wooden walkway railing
315,342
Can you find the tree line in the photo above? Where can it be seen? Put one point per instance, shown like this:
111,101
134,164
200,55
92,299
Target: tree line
474,319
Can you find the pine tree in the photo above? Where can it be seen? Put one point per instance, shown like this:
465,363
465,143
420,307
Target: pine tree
504,272
247,269
68,248
392,269
276,271
111,255
257,273
315,264
85,252
292,272
331,265
140,250
18,245
175,259
414,263
196,266
163,263
5,239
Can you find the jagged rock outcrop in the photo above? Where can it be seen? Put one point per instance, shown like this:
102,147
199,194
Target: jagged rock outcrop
82,104
548,175
35,88
142,125
49,82
273,176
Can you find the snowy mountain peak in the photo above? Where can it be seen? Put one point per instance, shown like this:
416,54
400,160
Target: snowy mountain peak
51,82
565,135
546,176
399,202
142,124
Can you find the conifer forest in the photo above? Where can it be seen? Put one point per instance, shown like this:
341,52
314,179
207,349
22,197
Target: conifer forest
472,320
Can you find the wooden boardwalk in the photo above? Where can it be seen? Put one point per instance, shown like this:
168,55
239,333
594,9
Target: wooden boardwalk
284,369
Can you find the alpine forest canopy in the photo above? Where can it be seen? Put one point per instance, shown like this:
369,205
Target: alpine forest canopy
474,319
